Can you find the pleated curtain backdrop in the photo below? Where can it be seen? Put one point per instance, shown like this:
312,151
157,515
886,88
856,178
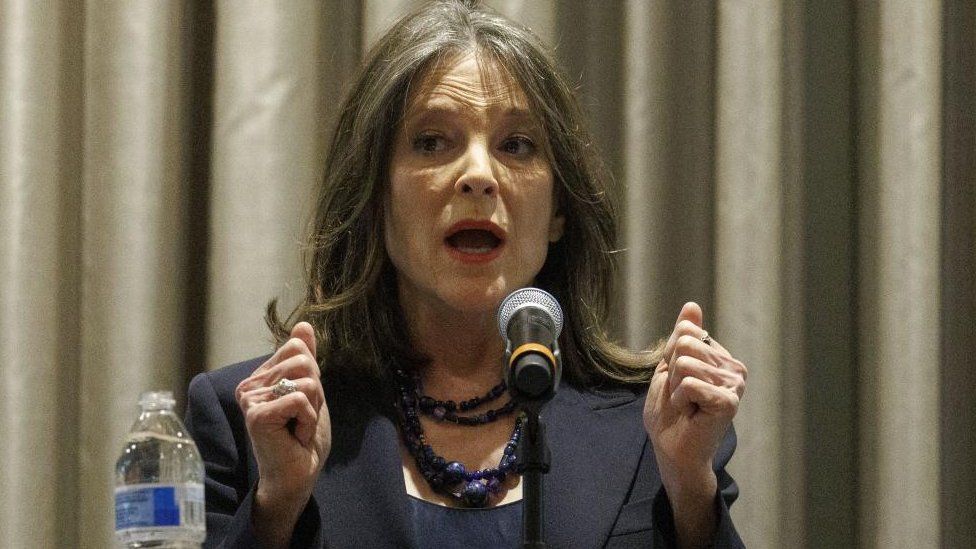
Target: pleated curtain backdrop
804,169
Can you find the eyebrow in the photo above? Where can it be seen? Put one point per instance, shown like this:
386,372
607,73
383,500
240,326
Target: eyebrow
452,108
519,112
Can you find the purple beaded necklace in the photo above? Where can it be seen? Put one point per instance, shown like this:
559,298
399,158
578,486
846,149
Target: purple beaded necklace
446,410
450,478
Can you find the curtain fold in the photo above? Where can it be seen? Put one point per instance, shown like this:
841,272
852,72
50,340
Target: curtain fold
958,296
39,189
645,177
900,359
132,234
822,215
267,144
804,170
749,237
668,169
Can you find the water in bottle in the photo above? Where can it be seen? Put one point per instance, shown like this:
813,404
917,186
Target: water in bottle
159,480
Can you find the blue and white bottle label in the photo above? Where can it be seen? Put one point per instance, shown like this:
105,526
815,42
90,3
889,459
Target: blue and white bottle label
155,505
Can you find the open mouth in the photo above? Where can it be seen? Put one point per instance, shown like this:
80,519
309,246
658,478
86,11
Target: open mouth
474,241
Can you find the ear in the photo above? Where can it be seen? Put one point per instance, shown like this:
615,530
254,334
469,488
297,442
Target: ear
556,226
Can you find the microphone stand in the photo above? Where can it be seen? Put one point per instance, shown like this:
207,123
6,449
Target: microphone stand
532,369
533,462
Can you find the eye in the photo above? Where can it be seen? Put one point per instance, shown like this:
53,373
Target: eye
429,143
518,145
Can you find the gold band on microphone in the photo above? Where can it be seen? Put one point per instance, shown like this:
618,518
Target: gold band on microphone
529,348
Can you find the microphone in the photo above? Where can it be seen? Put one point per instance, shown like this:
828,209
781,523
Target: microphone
530,321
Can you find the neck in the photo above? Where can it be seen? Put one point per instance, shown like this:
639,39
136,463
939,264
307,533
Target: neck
465,350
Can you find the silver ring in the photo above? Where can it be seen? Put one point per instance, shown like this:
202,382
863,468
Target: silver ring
707,339
284,387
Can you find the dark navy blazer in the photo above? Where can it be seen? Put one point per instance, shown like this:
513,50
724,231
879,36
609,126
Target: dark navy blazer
603,488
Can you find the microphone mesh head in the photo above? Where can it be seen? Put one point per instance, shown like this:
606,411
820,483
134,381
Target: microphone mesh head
530,297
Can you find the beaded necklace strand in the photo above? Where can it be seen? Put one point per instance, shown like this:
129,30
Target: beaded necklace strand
450,478
446,410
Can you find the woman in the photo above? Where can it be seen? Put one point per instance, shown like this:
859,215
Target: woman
459,172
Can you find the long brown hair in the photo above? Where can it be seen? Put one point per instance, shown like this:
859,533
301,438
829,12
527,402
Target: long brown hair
351,297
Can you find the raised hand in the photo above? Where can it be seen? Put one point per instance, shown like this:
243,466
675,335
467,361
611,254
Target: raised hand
693,397
290,432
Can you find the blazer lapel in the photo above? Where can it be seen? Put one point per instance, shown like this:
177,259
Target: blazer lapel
596,445
360,493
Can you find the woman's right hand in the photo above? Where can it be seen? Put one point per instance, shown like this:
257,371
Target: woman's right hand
291,434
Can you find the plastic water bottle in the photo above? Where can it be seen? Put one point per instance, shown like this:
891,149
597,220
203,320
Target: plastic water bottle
159,480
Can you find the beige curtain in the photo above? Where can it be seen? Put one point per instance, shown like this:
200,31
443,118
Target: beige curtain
804,169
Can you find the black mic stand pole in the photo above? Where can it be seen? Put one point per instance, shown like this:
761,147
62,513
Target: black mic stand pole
533,462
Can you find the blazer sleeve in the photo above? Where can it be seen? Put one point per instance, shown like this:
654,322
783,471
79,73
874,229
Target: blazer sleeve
217,426
728,491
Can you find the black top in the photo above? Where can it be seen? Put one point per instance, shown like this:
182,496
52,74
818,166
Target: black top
441,527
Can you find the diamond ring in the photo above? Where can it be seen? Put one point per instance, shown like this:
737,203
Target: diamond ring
284,387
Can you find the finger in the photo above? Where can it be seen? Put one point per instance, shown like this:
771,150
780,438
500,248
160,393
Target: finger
274,415
304,331
312,388
694,396
715,354
294,347
684,333
689,344
307,425
693,346
689,323
306,417
247,399
246,383
719,348
693,312
301,342
688,366
301,365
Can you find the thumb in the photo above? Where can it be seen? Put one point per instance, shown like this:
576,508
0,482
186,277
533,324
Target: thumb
304,331
691,311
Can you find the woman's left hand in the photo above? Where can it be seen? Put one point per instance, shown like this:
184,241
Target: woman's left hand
693,397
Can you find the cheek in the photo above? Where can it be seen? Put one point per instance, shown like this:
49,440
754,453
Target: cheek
408,223
535,221
536,204
396,222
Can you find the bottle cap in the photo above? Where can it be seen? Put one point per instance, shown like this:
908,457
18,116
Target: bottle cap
157,400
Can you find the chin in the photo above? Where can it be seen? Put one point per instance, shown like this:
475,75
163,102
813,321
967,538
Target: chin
474,295
475,298
465,292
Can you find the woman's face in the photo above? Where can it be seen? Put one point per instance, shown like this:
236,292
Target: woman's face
470,210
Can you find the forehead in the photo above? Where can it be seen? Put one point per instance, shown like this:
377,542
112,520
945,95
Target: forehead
469,81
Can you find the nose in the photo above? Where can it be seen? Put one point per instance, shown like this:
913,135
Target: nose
478,176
